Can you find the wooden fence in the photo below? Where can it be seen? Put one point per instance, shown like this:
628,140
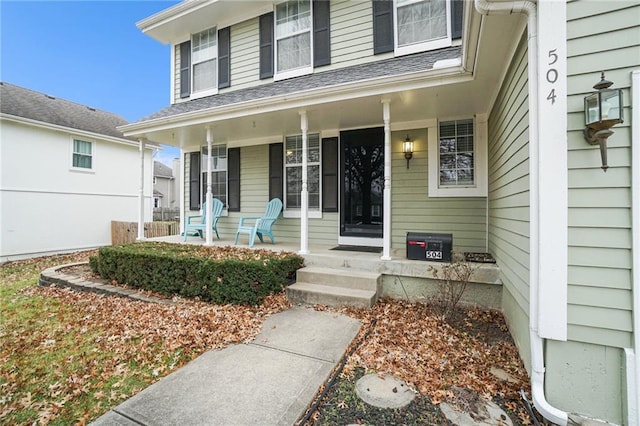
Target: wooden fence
127,232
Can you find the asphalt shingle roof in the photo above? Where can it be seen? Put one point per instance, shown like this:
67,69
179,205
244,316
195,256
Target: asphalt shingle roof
26,103
384,68
162,170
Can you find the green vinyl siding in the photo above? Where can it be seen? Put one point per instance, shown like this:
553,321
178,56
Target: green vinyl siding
508,152
351,38
600,35
593,276
245,55
351,33
413,211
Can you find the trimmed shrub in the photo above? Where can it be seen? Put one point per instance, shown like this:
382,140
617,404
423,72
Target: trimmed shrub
214,274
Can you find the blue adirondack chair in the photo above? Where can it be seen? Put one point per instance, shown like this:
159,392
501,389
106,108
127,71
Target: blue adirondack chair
260,225
199,223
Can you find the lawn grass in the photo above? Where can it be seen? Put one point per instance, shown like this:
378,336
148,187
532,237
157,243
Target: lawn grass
50,366
68,357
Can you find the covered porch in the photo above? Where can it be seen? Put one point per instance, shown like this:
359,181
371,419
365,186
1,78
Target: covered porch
232,142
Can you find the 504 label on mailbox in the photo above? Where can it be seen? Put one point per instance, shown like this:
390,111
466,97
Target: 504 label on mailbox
430,254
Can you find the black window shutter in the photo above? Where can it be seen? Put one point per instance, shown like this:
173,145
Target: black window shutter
185,69
457,10
266,45
275,170
330,175
233,179
321,35
194,181
224,58
382,26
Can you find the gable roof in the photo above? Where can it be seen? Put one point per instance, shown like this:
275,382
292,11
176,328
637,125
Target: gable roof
26,103
374,70
162,170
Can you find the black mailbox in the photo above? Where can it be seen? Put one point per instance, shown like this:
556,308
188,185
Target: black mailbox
428,246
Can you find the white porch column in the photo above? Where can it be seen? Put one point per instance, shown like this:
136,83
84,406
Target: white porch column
304,210
386,227
181,193
141,192
209,197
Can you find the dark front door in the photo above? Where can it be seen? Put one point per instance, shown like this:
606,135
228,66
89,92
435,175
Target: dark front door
362,177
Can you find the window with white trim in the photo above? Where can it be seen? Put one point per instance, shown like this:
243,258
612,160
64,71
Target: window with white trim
82,154
293,51
218,160
421,25
204,56
456,153
293,171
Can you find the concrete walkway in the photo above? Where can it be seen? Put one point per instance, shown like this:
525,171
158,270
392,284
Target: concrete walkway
269,381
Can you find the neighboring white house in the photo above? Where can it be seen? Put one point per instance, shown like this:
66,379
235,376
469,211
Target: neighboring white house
165,190
80,175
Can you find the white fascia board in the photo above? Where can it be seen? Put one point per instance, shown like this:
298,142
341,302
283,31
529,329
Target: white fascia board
92,135
471,35
303,99
177,22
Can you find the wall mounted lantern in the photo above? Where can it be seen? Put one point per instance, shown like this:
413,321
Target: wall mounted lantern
602,110
407,149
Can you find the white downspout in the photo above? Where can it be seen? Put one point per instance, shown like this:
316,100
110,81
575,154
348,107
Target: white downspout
529,8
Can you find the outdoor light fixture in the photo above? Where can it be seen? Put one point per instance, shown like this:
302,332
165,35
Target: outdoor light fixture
602,110
407,149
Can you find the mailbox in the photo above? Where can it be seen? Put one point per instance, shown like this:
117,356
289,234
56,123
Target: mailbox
428,246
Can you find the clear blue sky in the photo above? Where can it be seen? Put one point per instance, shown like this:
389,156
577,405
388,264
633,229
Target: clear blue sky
89,52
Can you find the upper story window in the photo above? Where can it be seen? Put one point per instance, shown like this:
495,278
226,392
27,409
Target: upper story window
203,64
411,26
82,157
293,38
421,25
204,55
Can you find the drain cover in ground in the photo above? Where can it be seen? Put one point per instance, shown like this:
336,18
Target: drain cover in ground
384,391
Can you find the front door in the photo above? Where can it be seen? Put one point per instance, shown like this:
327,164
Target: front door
362,177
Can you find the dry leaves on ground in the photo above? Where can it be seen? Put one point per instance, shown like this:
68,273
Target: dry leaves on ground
410,341
83,345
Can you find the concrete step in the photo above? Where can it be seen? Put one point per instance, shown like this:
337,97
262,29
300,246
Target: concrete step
308,293
341,277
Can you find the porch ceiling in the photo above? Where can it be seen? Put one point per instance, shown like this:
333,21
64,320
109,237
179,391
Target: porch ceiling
447,93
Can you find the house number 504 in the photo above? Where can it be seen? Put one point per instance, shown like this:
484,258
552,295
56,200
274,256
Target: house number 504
552,76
